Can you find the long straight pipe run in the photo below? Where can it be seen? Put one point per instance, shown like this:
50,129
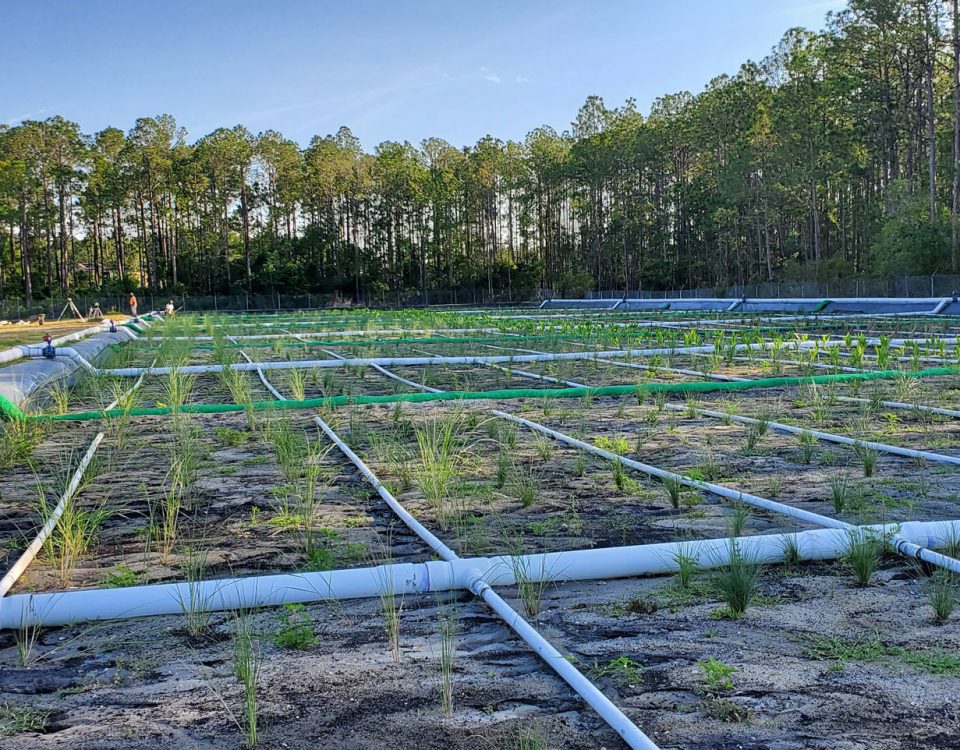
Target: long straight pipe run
416,361
903,546
925,408
90,605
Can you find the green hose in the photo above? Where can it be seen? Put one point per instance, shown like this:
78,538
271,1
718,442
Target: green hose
502,395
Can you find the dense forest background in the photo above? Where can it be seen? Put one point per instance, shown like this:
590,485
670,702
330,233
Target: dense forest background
837,155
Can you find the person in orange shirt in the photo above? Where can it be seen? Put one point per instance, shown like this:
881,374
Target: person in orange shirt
133,304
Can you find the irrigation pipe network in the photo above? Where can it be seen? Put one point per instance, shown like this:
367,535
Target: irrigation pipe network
734,379
820,435
238,592
607,710
28,555
900,544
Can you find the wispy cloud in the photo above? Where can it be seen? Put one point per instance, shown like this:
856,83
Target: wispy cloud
522,79
26,116
489,75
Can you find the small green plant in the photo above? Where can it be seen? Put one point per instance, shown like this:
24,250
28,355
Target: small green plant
617,444
27,634
448,646
504,469
673,484
179,387
544,445
686,567
74,530
231,437
736,581
580,465
121,577
944,594
738,518
532,735
624,671
532,582
808,442
438,471
716,674
195,604
60,396
15,720
754,434
295,631
18,439
525,487
791,549
247,662
839,491
723,709
867,456
624,483
863,555
297,383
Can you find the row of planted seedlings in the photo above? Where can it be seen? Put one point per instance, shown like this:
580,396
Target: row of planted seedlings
192,523
894,410
618,667
832,480
188,498
497,488
445,624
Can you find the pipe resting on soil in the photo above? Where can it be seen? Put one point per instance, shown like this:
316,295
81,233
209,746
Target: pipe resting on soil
11,411
903,546
30,552
604,707
453,574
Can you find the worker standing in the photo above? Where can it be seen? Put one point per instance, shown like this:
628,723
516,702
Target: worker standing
133,304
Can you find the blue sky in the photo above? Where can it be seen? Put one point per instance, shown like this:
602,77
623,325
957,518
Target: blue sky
388,70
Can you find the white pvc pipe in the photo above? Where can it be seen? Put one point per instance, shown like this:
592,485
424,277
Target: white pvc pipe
415,361
391,375
607,710
903,546
321,334
820,435
88,605
37,352
30,552
554,659
19,351
828,437
441,549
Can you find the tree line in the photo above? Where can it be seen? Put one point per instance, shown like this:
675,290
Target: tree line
836,155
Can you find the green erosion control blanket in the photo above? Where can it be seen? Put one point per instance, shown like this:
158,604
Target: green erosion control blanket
9,410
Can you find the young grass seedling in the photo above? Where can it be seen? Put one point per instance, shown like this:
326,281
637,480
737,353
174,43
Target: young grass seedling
867,455
736,581
944,594
247,662
862,556
448,647
839,486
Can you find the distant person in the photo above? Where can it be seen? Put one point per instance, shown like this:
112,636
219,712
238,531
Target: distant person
169,309
133,304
